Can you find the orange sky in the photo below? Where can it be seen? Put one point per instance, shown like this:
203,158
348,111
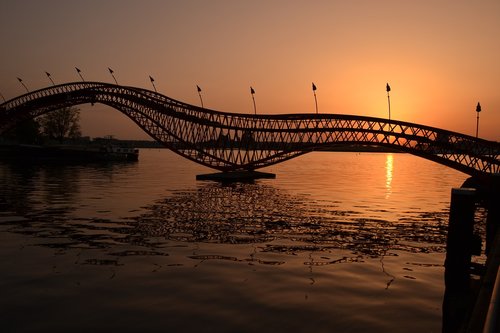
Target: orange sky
440,57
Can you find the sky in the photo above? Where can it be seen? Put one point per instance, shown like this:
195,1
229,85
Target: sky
440,57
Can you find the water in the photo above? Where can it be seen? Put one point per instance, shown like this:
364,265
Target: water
338,242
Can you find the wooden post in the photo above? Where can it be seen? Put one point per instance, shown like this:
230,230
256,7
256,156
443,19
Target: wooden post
460,236
458,257
493,206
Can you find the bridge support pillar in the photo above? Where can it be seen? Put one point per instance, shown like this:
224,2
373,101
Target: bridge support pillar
235,176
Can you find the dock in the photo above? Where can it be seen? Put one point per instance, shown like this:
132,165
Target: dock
472,290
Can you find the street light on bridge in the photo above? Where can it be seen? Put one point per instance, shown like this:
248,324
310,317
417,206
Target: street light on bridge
152,82
315,99
199,94
50,78
2,97
79,73
478,109
388,89
252,92
112,74
22,83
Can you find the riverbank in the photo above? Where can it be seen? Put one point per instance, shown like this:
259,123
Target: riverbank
68,152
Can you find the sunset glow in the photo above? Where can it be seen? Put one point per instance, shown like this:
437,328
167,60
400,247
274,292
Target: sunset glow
440,58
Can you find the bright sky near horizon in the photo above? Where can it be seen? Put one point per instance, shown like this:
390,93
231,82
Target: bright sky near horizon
441,57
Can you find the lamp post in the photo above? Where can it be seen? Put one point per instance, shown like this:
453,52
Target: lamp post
152,82
252,92
315,99
478,109
50,78
22,83
113,75
199,94
79,73
388,89
3,98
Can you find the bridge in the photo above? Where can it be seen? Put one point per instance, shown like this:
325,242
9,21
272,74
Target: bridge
239,142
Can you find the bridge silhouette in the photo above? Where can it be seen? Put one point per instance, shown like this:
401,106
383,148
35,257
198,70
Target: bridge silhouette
239,142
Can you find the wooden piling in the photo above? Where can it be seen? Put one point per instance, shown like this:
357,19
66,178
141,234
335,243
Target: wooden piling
485,316
460,237
459,246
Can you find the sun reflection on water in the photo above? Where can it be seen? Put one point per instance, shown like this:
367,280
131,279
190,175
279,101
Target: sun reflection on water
389,166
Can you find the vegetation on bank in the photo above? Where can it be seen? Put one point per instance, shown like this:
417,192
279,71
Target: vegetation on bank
58,125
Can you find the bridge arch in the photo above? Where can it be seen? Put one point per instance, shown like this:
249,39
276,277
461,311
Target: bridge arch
231,141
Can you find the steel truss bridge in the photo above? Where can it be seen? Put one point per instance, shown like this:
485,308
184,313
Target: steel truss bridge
233,142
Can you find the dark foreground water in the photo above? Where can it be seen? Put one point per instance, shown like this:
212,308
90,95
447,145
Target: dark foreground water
338,242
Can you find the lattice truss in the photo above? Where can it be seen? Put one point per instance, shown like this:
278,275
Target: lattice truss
231,141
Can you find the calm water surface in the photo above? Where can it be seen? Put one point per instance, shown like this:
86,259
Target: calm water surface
338,242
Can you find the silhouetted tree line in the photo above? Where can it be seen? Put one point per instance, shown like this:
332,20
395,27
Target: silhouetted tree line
57,125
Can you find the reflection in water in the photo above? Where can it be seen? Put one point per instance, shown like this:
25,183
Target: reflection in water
327,246
40,200
242,213
254,213
388,175
28,189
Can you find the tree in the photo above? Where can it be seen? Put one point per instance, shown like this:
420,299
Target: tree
61,124
27,132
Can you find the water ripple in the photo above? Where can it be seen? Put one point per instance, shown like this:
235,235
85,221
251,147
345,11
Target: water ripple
255,213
